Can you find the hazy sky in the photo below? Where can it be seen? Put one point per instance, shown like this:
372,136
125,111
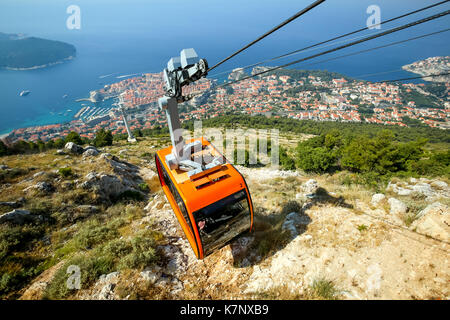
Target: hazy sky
199,17
205,24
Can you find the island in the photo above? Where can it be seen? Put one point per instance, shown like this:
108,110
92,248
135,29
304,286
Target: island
18,52
431,66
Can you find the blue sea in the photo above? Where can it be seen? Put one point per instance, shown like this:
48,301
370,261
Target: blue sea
118,39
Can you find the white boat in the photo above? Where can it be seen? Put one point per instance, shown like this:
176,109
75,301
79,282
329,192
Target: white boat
24,93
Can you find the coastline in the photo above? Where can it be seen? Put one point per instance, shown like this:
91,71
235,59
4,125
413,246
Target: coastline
40,66
431,66
426,75
41,121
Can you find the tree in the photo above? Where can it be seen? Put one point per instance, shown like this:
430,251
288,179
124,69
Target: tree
286,162
20,147
103,138
3,149
381,154
40,145
32,146
318,159
138,133
59,143
73,137
50,144
246,159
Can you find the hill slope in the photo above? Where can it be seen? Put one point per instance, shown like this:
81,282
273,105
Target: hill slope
315,237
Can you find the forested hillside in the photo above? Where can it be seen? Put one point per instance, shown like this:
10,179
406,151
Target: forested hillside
32,52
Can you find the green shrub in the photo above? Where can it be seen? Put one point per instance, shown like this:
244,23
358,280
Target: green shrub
362,227
66,172
143,187
10,174
17,238
94,233
325,289
16,273
91,267
131,195
142,255
117,248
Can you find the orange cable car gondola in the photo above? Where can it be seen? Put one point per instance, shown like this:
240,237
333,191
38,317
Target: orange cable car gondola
209,197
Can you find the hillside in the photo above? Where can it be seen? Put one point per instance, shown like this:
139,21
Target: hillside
31,52
316,236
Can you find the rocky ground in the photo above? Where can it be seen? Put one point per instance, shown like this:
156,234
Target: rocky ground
314,237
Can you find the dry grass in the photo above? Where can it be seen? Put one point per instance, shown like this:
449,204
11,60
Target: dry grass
320,289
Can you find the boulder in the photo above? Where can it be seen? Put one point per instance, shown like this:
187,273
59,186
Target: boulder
156,204
293,221
434,221
60,152
439,184
3,167
403,191
299,196
424,188
91,148
150,276
106,185
310,186
397,207
107,292
38,174
377,198
19,217
399,190
107,283
432,208
44,187
11,204
91,152
109,278
73,148
106,155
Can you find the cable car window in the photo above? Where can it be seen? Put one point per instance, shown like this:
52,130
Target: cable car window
223,220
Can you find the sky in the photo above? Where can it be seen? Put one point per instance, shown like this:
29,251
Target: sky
191,19
228,24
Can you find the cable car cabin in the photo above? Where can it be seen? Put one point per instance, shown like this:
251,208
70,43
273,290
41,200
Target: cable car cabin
213,206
